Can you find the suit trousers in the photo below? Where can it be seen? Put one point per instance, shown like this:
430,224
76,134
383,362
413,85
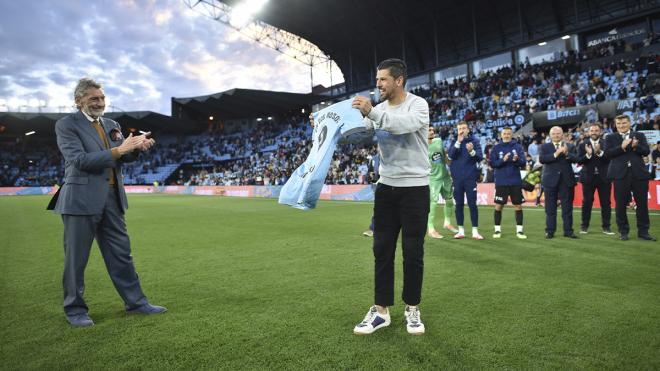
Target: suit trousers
639,189
109,230
604,188
404,209
565,194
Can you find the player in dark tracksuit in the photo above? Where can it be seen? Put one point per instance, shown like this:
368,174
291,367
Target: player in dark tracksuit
507,158
465,155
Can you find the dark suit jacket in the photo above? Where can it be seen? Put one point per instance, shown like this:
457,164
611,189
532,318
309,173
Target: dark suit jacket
619,158
587,174
557,171
87,166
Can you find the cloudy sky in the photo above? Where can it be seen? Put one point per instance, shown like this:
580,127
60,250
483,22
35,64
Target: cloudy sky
143,51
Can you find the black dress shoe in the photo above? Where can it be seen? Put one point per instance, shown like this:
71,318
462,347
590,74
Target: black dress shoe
549,235
623,237
572,235
647,237
147,309
80,320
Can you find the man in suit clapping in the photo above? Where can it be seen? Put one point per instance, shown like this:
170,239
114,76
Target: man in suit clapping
558,181
92,202
591,156
626,150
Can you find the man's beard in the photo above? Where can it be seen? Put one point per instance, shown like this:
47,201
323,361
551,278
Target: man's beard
94,112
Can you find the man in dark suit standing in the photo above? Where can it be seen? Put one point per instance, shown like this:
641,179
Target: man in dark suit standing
626,150
558,180
92,202
594,177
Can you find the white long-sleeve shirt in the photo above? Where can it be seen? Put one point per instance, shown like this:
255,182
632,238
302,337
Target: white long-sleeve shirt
402,133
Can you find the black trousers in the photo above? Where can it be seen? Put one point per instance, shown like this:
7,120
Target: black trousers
639,189
604,193
404,209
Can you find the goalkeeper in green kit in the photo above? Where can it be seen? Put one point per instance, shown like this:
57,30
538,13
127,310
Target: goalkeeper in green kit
440,184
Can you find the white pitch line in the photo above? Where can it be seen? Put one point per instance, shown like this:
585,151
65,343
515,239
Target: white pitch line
526,208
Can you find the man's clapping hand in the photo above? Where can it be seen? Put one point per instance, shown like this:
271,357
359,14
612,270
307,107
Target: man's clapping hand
625,143
132,143
588,149
147,142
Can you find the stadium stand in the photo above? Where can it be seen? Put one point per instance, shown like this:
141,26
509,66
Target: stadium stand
268,152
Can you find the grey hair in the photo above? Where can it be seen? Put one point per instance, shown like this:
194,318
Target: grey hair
85,84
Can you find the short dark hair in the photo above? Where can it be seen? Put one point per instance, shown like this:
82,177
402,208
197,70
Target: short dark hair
397,68
596,124
623,117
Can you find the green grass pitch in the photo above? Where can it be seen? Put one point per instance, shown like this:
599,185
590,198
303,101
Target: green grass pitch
251,284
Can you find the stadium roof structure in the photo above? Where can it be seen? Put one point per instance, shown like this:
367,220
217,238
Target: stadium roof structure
431,34
242,104
18,123
189,115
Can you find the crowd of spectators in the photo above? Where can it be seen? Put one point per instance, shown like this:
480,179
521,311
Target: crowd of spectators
30,164
259,168
267,153
351,163
528,88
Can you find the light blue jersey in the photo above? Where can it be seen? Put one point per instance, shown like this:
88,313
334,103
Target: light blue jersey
303,188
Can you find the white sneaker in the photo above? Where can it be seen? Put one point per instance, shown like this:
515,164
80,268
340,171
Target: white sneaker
497,234
459,236
372,322
477,236
368,233
414,323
